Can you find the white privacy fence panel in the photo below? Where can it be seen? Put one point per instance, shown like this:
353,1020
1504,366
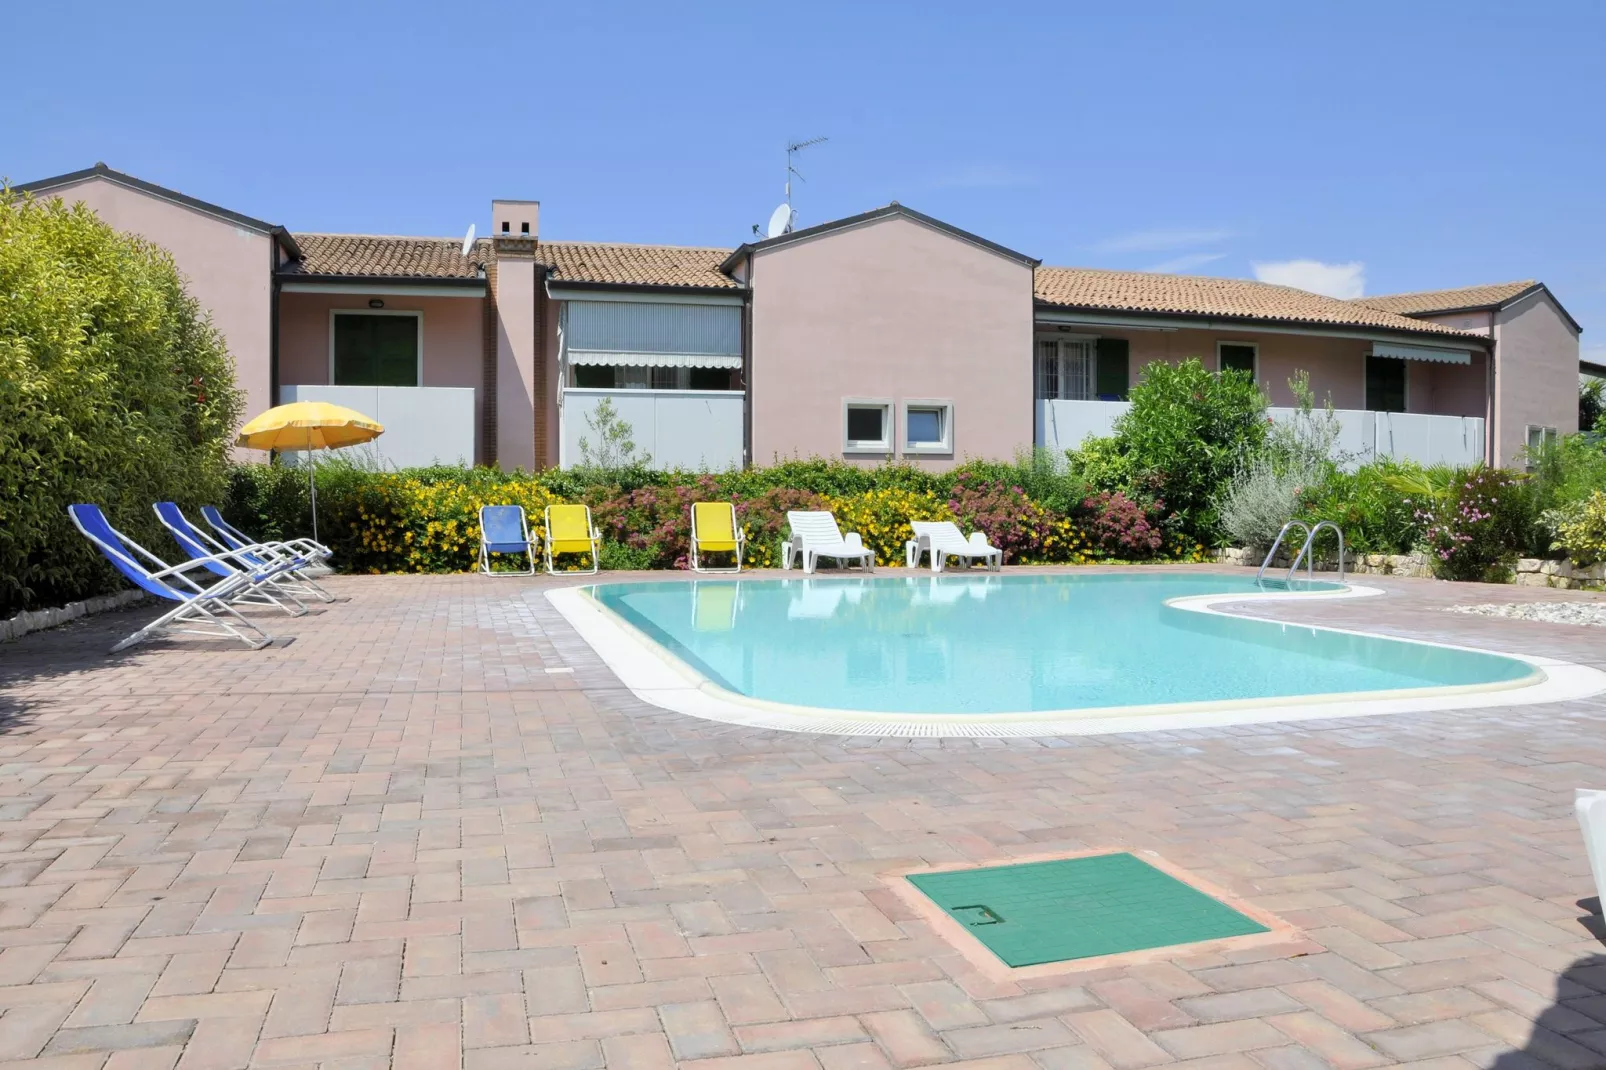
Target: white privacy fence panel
695,429
1363,435
423,424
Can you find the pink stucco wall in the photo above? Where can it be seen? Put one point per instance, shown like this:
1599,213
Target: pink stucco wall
1337,367
516,354
1536,374
227,268
453,348
890,309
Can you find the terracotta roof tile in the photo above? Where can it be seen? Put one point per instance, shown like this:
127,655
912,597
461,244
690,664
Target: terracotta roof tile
375,255
367,255
1426,302
635,265
611,263
1202,295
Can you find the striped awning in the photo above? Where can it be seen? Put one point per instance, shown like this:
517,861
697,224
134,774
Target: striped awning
653,360
1429,353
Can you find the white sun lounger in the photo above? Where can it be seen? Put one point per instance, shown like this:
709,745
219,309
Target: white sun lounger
942,539
815,535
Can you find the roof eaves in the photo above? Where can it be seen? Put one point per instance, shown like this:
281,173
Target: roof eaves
884,212
381,280
1436,331
560,284
100,170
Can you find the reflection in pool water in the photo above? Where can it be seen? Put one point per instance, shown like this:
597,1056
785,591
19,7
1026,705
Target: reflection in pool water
992,644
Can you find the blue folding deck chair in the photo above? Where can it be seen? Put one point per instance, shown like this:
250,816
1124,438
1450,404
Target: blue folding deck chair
200,610
237,539
504,529
230,563
290,581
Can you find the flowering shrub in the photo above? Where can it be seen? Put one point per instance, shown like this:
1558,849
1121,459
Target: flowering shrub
1469,532
1010,520
881,517
1582,533
763,518
395,524
1120,527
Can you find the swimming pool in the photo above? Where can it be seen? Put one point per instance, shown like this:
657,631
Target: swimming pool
967,649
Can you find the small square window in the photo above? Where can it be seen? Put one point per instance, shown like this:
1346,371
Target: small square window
928,426
1236,357
866,425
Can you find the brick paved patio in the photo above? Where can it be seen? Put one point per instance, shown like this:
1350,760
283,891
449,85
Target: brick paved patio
400,840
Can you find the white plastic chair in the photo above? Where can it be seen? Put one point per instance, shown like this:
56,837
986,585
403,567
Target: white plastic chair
814,535
942,539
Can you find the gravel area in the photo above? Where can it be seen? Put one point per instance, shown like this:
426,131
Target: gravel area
1554,612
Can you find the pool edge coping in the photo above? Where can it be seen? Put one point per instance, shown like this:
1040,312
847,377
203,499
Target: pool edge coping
658,677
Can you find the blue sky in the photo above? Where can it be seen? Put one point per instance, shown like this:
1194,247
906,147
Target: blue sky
1398,146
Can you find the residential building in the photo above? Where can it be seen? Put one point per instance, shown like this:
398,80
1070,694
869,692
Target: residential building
887,335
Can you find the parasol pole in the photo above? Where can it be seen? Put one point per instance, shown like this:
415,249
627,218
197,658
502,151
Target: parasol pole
312,483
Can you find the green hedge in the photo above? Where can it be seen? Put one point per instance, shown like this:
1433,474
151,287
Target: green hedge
114,389
424,519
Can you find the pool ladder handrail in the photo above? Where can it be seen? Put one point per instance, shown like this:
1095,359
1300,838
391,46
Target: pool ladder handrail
1310,549
1272,553
1306,551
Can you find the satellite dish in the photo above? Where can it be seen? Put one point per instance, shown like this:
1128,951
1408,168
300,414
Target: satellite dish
468,240
780,222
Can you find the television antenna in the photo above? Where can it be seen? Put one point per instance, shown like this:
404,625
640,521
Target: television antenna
468,240
792,149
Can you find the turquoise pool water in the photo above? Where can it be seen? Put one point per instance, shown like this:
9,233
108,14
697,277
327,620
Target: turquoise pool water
971,643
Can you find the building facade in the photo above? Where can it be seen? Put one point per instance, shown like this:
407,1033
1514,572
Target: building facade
885,336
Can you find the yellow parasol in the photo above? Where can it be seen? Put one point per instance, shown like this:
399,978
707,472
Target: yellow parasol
308,425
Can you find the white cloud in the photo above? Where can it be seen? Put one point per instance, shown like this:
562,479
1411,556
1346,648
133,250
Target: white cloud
1185,262
1335,280
1162,239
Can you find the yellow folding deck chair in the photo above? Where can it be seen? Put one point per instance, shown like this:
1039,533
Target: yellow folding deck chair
569,531
714,530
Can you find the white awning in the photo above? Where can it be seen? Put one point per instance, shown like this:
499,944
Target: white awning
1440,356
653,360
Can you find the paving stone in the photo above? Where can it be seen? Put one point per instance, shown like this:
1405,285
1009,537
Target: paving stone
399,841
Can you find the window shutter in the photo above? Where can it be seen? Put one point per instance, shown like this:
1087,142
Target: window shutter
1114,368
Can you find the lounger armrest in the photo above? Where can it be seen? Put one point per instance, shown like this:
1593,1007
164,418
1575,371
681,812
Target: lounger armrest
979,541
852,540
195,562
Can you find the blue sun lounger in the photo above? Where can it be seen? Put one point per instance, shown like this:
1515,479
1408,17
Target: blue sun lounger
238,539
504,529
286,564
201,610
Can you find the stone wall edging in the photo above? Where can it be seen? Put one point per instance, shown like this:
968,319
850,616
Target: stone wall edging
34,620
1530,571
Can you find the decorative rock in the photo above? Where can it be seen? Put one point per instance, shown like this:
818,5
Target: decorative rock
1582,613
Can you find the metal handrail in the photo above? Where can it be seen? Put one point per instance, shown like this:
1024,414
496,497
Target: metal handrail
1273,551
1309,548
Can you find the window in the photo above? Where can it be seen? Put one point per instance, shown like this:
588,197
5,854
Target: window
928,426
1065,369
596,376
866,424
710,379
1236,357
1539,440
375,348
1385,384
666,378
1114,376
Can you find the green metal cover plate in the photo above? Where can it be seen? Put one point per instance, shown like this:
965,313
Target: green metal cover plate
1079,908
